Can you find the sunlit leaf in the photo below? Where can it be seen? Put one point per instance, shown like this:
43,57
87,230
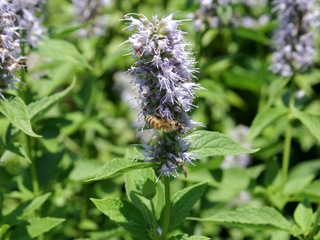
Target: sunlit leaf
4,230
251,34
38,108
303,215
312,190
311,121
265,118
15,110
186,237
84,169
206,143
277,86
118,166
257,218
141,187
62,51
183,201
39,226
125,214
296,185
19,150
35,204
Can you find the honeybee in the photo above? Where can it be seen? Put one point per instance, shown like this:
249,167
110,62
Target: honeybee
160,123
20,63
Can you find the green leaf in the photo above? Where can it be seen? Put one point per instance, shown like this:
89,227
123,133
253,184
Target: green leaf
296,185
264,118
303,215
296,230
199,238
183,201
85,169
107,233
241,78
38,108
206,143
311,121
305,168
34,205
186,237
142,182
118,166
233,181
39,226
235,178
312,190
276,87
15,110
57,76
140,187
257,218
62,51
18,149
251,34
125,214
4,231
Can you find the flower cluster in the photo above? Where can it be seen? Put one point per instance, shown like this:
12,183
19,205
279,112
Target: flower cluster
215,13
207,14
163,75
169,154
27,12
10,51
90,12
293,40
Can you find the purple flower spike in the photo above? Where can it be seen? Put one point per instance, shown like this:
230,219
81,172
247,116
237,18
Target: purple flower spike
164,70
164,75
294,40
30,18
10,51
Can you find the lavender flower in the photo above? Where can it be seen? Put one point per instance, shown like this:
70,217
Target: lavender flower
10,55
208,14
250,22
90,11
293,40
30,24
163,75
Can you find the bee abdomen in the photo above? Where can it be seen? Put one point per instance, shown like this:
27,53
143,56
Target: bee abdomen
153,122
162,124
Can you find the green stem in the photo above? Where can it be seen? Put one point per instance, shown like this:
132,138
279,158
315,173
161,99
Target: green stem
165,4
35,184
30,147
287,141
286,154
154,220
315,225
34,174
166,218
33,169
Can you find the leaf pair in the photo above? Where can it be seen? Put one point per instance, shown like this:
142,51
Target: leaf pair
141,216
